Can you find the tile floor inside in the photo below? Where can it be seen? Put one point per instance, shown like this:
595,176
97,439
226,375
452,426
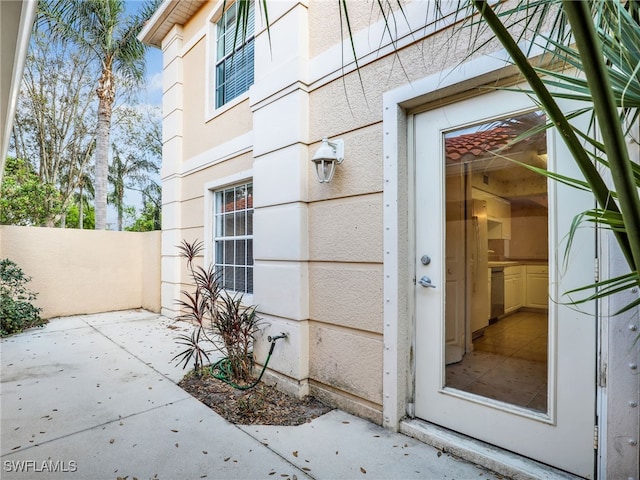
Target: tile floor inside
508,363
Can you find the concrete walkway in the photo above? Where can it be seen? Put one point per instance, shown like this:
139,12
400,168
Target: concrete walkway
94,397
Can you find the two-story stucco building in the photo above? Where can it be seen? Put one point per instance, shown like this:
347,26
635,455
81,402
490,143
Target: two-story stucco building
420,286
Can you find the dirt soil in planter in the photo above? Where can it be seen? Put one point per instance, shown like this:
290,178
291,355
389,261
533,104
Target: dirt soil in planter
261,405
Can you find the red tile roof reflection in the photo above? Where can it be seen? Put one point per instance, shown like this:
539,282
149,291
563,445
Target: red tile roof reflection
478,142
242,203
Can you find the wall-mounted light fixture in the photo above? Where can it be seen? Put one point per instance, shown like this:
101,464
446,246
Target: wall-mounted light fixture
328,155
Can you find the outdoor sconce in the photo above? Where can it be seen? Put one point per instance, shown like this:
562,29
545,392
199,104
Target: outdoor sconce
328,155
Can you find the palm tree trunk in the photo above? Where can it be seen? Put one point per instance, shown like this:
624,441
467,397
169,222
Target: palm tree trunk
80,209
106,96
120,214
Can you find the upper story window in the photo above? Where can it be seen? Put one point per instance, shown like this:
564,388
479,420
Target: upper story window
234,54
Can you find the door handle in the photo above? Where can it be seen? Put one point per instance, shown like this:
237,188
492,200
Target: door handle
426,282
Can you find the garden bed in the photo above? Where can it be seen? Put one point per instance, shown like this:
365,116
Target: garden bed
261,405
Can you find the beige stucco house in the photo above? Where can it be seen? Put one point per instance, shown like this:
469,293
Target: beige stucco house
420,287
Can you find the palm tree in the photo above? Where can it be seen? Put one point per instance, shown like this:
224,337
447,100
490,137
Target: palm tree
124,171
85,192
103,28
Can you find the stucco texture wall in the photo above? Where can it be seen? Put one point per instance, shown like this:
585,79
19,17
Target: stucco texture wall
201,133
345,216
341,222
86,271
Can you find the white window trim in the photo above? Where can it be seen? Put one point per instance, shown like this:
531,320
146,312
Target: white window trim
209,206
210,111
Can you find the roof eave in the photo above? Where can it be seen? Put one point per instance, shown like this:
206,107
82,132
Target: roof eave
165,17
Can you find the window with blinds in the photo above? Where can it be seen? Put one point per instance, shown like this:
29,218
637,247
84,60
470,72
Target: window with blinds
233,237
234,57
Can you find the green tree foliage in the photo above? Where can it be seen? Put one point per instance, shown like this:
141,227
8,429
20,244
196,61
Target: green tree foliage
102,29
25,200
136,155
16,310
73,219
148,220
52,125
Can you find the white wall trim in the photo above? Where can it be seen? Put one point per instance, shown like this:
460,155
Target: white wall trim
234,147
338,60
200,34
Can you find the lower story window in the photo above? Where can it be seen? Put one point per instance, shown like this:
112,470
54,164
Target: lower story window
233,237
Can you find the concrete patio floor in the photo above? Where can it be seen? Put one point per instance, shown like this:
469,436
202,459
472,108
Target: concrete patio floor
95,397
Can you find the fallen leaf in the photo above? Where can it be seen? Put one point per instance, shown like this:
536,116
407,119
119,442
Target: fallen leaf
295,454
306,469
112,440
205,452
174,431
15,448
272,473
363,470
227,459
439,453
177,445
345,422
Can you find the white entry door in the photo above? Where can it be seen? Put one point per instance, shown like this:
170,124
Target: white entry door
523,376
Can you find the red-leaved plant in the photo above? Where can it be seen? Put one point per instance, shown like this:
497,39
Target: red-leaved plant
221,322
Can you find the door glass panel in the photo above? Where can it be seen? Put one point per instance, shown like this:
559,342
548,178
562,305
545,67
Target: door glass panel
496,262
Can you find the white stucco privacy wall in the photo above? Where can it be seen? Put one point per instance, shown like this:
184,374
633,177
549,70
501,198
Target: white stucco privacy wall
86,271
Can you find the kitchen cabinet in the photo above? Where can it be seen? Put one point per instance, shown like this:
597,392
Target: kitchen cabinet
498,218
537,286
513,288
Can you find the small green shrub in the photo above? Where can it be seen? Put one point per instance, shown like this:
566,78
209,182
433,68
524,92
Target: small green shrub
16,310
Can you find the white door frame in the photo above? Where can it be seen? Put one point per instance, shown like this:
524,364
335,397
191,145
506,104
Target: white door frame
398,213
